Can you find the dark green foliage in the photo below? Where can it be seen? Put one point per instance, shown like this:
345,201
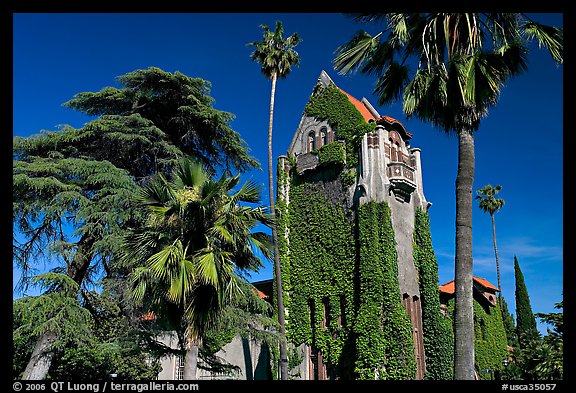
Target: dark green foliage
438,338
95,339
320,266
508,321
348,177
56,311
489,340
85,178
525,321
73,189
179,106
97,361
332,105
331,154
51,193
542,358
385,346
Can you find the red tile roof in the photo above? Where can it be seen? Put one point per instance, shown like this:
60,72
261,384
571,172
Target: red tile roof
449,288
149,316
360,107
260,294
392,120
485,283
368,116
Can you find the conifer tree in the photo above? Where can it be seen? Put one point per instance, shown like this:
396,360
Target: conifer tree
525,320
508,321
72,187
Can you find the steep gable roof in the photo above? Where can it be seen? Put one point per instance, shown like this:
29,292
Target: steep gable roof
449,288
360,107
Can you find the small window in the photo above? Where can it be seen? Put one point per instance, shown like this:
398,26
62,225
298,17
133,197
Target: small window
342,316
311,141
325,313
311,312
393,156
323,136
180,364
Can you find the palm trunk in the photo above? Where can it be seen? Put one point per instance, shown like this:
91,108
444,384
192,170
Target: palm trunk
191,361
277,271
496,254
464,311
41,359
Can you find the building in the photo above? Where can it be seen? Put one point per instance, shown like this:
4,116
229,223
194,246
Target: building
346,159
357,299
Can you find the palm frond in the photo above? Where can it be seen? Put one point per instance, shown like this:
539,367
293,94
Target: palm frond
138,280
391,84
549,37
353,54
164,262
207,267
189,173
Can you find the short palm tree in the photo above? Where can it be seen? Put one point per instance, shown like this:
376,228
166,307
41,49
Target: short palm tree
276,56
197,241
449,69
488,202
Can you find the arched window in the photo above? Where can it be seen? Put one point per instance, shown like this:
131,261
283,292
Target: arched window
311,141
324,136
393,156
398,152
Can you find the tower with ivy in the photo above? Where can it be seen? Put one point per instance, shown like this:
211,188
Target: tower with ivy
356,281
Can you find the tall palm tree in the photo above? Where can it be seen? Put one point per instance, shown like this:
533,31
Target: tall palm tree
488,202
197,241
449,70
276,56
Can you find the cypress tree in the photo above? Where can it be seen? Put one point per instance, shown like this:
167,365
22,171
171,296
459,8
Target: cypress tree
525,321
508,321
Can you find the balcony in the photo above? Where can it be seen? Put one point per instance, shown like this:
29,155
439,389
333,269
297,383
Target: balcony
306,161
401,176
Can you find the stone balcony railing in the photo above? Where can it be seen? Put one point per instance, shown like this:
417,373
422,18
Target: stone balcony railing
401,178
306,161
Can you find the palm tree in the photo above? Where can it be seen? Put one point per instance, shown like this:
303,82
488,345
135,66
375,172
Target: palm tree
488,202
449,69
197,241
276,55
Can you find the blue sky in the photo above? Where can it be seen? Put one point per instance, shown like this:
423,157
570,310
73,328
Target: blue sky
519,145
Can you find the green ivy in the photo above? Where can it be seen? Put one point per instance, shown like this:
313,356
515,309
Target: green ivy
331,154
320,266
489,338
438,338
332,105
348,177
341,259
385,344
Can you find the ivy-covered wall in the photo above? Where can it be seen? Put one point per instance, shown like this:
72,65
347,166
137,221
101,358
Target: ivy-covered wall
489,338
438,336
331,154
341,257
384,334
318,271
332,105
